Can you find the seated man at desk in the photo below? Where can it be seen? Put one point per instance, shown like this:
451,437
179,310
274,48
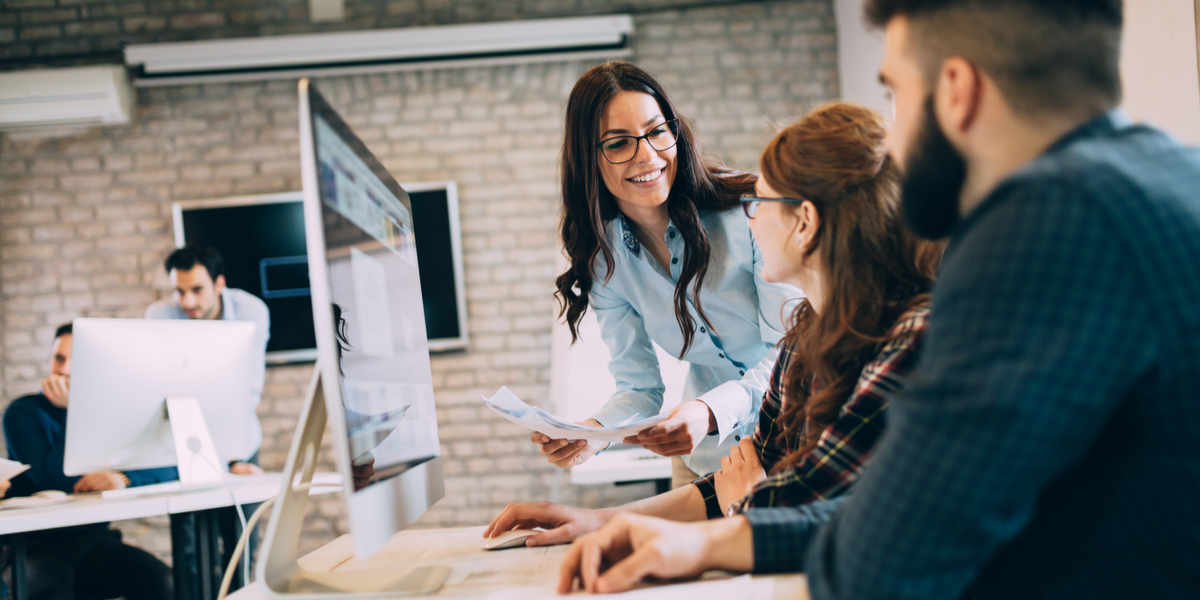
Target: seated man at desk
88,560
198,275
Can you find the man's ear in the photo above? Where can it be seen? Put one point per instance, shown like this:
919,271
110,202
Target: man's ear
219,284
957,96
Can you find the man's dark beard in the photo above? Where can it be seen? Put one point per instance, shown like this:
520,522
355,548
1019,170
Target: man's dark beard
934,175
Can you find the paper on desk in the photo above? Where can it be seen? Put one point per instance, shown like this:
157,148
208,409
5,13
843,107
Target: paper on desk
508,405
736,588
10,469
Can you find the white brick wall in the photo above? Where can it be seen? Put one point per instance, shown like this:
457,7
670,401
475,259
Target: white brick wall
85,217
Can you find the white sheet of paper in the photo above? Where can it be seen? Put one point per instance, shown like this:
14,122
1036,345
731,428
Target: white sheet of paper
736,588
508,405
10,469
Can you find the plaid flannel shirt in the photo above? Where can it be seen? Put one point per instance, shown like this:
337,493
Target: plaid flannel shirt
834,464
1045,445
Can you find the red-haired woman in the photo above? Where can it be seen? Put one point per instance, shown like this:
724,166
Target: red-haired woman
827,218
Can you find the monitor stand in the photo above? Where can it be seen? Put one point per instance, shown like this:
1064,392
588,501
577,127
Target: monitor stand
195,453
279,572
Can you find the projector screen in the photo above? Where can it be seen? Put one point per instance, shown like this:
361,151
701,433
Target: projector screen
262,241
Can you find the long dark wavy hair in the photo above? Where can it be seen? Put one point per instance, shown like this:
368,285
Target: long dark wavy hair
877,268
588,205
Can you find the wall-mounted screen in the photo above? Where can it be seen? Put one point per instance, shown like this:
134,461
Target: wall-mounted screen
262,241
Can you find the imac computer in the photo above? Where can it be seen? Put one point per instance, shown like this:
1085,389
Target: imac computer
160,393
373,381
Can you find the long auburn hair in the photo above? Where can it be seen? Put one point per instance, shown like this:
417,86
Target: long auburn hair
877,268
588,205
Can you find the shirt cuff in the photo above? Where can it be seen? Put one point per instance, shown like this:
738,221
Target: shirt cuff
727,403
782,536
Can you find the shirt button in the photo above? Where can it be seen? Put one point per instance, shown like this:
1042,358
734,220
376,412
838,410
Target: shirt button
672,234
674,261
737,438
741,372
721,355
703,330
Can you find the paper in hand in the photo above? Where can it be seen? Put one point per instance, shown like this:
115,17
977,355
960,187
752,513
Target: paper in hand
508,405
10,469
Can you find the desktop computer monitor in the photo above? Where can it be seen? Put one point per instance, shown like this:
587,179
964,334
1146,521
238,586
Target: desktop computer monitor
124,370
372,347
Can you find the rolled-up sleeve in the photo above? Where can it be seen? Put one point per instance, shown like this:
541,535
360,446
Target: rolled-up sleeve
735,404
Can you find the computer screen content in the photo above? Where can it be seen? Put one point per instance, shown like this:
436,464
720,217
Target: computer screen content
385,381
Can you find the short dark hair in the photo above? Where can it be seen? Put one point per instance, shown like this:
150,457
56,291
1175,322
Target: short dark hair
187,257
1046,56
62,330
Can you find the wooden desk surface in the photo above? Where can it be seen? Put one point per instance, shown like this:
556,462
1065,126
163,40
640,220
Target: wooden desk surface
517,573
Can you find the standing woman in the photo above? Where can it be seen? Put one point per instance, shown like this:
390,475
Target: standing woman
660,250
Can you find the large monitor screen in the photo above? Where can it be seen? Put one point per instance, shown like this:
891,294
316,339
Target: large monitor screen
386,385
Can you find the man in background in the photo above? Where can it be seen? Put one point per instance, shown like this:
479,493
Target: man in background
88,561
197,274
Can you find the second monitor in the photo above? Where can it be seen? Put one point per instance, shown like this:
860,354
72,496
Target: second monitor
123,372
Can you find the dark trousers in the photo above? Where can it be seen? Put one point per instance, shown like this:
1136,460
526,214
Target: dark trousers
230,525
92,563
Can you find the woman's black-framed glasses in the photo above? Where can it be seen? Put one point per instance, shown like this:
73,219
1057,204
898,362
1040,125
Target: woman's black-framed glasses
622,148
750,203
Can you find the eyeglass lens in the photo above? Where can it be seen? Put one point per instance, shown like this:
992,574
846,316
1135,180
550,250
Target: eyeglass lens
623,148
750,208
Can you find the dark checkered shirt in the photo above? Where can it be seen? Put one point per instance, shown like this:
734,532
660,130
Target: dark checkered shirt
834,464
1048,443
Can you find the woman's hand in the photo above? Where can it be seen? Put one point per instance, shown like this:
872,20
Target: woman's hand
679,434
565,453
740,472
565,523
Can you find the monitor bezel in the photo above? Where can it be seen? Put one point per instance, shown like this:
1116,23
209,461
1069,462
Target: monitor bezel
385,507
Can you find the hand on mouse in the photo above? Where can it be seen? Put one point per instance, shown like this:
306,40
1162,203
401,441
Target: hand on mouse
100,482
57,389
564,523
565,453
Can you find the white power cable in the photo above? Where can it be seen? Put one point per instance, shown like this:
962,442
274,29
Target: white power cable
224,475
253,521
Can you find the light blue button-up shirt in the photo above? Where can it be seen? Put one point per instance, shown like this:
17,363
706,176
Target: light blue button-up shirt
730,367
236,305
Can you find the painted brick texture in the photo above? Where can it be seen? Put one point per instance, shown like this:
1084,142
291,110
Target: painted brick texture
85,215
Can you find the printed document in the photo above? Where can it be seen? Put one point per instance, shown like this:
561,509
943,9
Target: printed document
512,408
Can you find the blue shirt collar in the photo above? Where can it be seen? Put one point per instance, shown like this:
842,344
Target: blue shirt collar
629,237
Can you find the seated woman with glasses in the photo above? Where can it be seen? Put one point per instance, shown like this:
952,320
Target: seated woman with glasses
659,250
827,218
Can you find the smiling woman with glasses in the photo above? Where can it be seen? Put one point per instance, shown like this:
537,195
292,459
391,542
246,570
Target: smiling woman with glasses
659,250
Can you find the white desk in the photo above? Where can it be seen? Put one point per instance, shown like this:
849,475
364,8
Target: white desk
631,464
525,573
192,523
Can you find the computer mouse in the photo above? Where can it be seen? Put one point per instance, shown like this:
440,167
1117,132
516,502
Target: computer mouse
508,539
50,494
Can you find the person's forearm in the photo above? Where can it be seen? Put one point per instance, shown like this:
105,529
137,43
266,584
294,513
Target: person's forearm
680,504
730,545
